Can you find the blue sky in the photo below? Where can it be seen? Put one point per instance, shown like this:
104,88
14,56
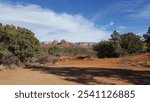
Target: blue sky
77,20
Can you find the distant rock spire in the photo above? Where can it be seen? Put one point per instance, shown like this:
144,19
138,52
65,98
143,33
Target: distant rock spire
55,42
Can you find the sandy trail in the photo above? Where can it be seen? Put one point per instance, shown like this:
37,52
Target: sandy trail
29,77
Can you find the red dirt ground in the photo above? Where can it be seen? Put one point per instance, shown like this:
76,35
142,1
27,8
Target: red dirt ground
111,71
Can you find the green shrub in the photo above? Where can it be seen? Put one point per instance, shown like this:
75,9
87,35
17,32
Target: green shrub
4,54
55,51
70,51
17,44
108,49
131,43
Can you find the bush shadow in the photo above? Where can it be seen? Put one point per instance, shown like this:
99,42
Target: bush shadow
86,75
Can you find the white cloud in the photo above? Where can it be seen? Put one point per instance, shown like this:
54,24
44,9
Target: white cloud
142,14
49,25
111,23
104,27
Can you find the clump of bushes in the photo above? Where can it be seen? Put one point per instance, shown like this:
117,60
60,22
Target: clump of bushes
70,51
108,49
119,45
131,43
17,45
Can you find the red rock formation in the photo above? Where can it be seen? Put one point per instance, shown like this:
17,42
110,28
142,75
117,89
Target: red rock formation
55,42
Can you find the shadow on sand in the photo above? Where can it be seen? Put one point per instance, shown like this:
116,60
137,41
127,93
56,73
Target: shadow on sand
86,75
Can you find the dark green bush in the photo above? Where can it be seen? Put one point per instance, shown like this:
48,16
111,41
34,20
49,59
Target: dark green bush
17,44
131,43
4,54
108,49
119,45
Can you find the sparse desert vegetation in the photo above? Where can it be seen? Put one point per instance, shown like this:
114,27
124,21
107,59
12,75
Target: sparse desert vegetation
123,59
110,71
